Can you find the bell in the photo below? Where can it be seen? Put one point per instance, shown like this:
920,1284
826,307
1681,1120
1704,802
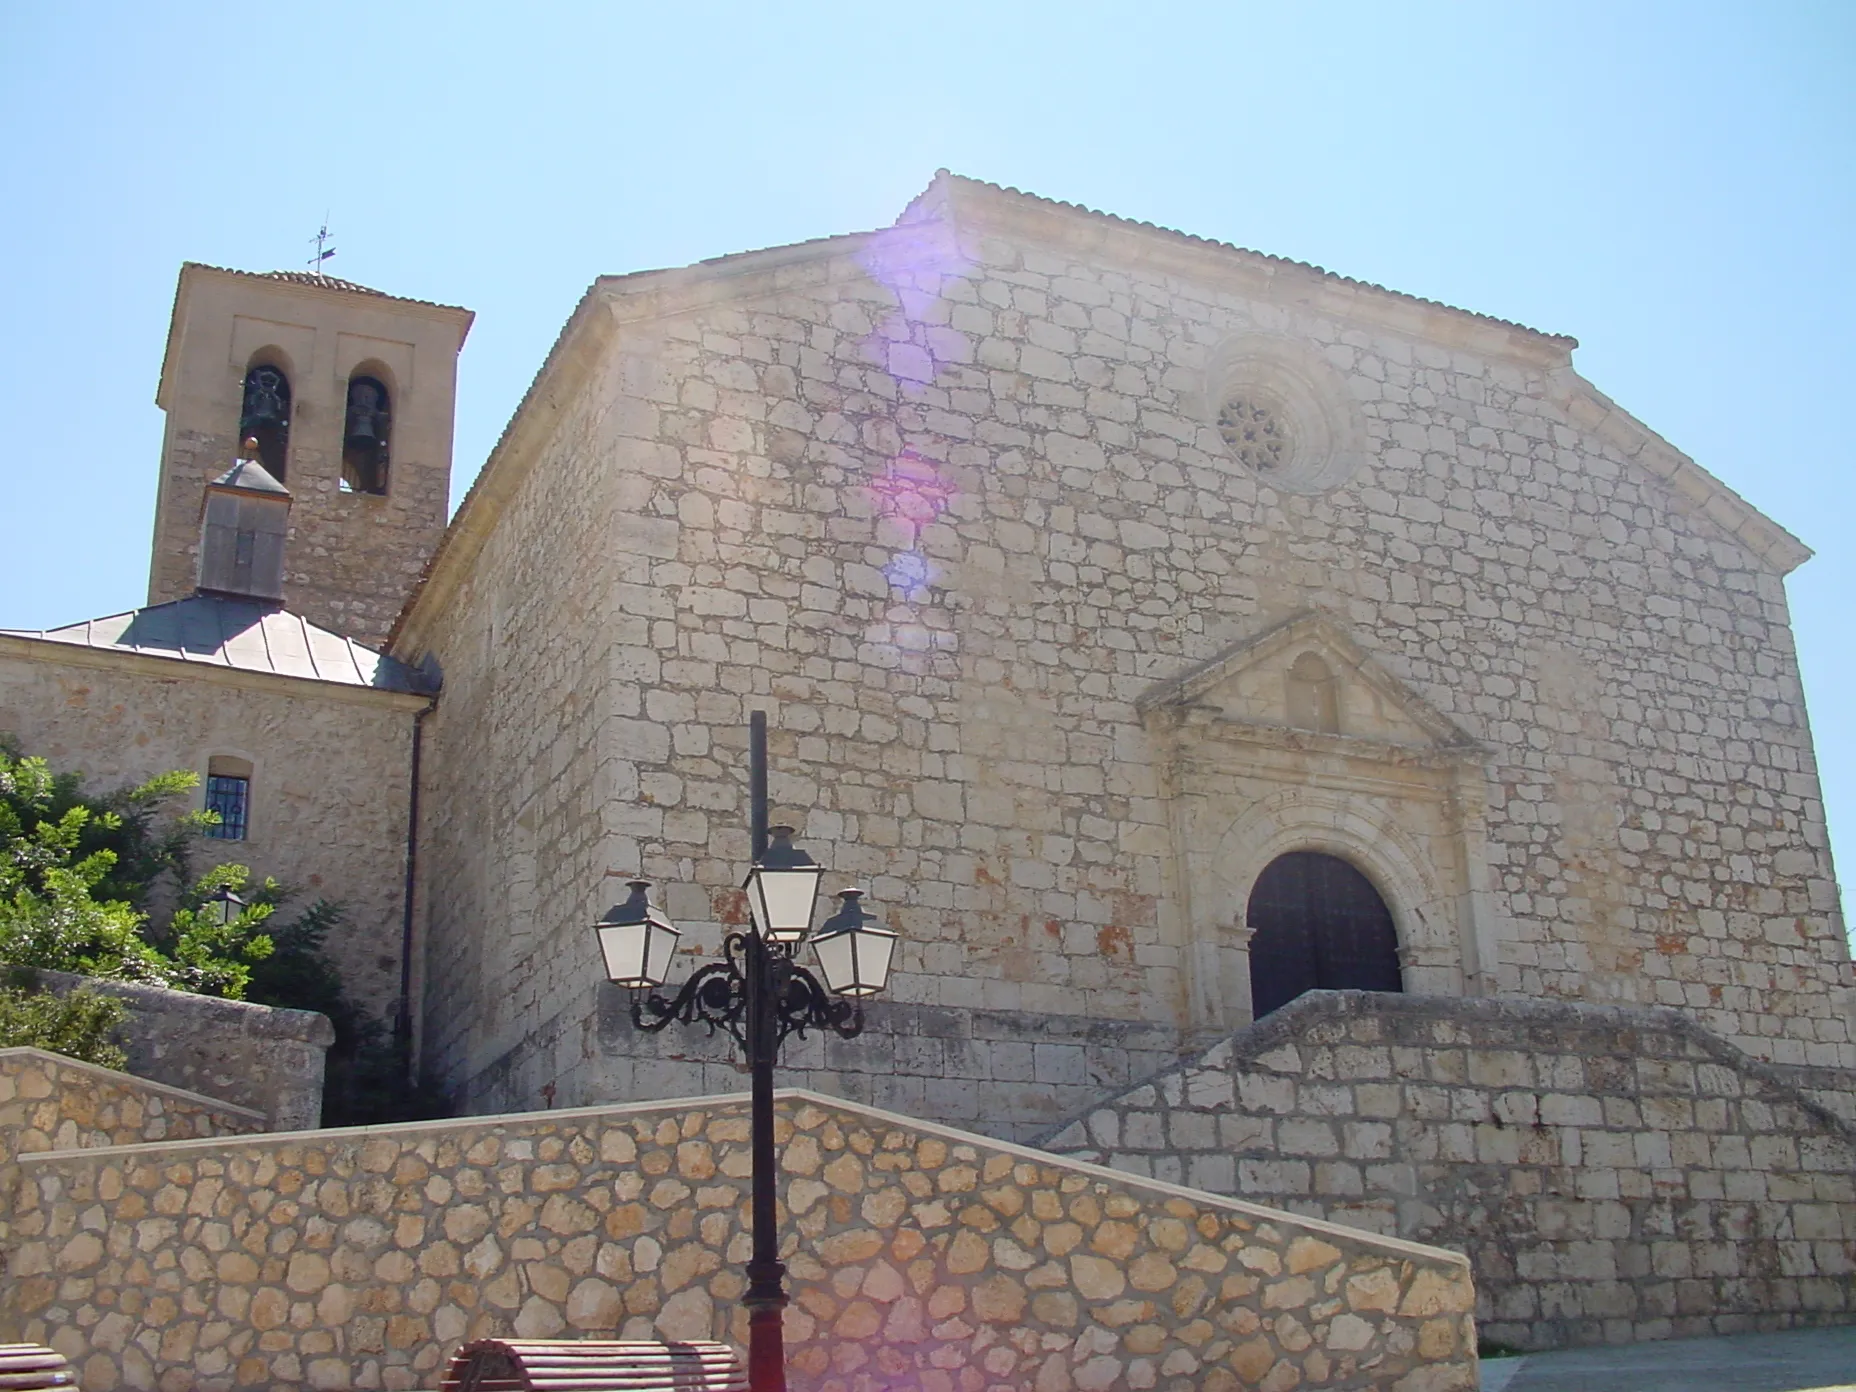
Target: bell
366,413
262,410
264,398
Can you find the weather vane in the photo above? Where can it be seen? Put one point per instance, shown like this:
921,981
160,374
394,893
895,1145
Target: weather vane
323,250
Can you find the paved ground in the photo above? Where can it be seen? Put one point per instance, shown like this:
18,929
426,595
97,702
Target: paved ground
1801,1360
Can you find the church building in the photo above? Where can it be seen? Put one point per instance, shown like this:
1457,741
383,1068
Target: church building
1155,629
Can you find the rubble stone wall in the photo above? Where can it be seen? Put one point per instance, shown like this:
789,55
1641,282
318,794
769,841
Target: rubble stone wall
49,1102
52,1103
1614,1173
919,1257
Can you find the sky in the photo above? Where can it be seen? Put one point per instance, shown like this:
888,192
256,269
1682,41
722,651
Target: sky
1672,184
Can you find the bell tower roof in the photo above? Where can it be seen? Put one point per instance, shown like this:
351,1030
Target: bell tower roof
251,476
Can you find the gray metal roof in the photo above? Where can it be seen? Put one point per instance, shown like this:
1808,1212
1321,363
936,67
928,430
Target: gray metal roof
250,474
240,633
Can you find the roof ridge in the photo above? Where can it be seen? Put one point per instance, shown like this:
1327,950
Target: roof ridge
320,282
1194,238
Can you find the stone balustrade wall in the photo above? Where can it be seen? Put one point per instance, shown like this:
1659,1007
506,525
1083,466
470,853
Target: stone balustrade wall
1614,1173
921,1258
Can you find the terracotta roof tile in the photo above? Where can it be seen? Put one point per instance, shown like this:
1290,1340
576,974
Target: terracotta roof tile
321,282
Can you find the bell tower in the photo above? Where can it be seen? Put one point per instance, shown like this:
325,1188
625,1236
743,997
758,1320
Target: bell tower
349,394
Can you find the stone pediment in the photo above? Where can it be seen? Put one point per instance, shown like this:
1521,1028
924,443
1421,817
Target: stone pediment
1306,681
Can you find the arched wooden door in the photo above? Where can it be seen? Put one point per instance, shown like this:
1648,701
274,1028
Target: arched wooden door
1318,925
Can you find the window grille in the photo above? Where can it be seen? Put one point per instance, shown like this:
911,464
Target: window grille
231,799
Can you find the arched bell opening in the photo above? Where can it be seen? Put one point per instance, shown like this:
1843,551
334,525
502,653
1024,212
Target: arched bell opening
1318,924
366,423
264,415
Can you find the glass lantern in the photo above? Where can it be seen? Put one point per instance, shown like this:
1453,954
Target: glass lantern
782,889
854,950
636,940
224,906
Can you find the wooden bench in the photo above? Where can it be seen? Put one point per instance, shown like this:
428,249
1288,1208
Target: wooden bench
592,1365
32,1365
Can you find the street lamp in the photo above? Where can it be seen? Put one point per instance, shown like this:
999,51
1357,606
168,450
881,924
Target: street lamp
782,887
760,995
224,906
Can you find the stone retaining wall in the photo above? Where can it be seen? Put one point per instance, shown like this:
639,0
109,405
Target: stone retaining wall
52,1103
1614,1173
256,1056
48,1102
921,1258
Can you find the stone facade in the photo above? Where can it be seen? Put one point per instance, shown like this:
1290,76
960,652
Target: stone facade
1614,1173
919,1257
957,504
251,1057
330,783
351,558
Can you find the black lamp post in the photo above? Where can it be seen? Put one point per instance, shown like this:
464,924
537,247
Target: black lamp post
760,995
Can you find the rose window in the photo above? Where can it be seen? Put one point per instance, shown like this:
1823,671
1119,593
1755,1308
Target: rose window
1254,433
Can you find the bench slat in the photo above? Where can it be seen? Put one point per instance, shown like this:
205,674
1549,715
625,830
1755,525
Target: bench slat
594,1365
24,1367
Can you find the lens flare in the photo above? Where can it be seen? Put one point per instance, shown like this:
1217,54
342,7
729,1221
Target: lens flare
915,262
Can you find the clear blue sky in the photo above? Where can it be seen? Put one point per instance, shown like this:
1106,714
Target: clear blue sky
1670,183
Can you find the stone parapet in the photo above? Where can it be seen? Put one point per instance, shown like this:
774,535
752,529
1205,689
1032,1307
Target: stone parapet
919,1256
258,1057
49,1102
1006,1074
1615,1173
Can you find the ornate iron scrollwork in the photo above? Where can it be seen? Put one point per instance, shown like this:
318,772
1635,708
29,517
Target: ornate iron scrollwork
717,996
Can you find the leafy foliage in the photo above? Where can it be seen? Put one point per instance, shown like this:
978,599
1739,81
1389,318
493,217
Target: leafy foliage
80,1025
76,874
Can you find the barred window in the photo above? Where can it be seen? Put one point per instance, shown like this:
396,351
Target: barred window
228,792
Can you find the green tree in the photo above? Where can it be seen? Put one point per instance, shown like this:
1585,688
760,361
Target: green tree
67,902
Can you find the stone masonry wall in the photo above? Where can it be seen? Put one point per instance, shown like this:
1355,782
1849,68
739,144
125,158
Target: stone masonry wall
1614,1173
948,500
1004,1074
253,1057
49,1102
329,787
518,795
920,1258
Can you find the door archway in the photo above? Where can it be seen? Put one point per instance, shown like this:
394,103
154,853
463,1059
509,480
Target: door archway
1317,924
